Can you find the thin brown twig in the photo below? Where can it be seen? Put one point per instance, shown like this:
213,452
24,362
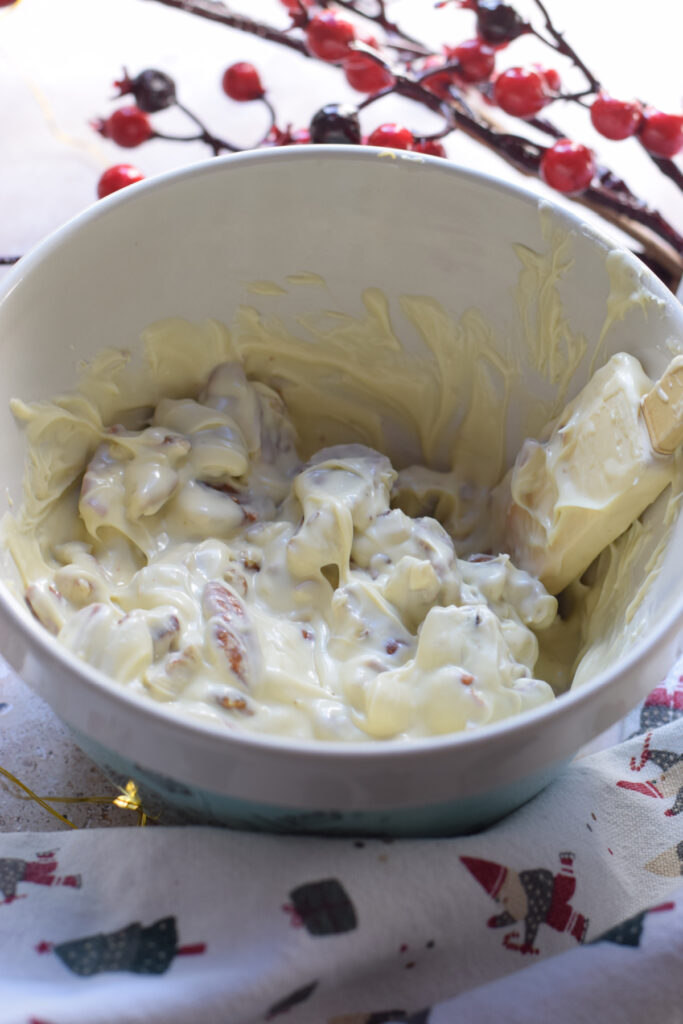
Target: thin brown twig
215,10
564,47
395,36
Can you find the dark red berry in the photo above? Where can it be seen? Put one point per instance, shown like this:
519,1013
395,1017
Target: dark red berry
521,92
431,147
117,177
364,74
153,90
615,119
127,127
434,80
477,60
328,36
336,123
391,136
660,133
498,23
241,82
7,3
568,166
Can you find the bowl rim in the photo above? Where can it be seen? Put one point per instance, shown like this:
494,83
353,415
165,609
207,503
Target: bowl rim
526,722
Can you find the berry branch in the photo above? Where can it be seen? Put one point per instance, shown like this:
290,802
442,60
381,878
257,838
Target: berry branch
459,84
665,164
440,84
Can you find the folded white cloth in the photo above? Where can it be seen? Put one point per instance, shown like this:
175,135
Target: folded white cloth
571,909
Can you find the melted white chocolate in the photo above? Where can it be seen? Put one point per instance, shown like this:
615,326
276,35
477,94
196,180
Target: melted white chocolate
571,495
182,536
209,567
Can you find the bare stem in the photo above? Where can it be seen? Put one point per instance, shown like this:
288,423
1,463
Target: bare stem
215,10
396,37
217,144
562,46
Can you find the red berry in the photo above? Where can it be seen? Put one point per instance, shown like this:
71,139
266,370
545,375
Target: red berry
366,75
477,60
328,36
127,127
568,166
300,136
615,119
431,147
550,76
294,6
391,136
521,92
7,3
438,82
241,82
660,133
117,177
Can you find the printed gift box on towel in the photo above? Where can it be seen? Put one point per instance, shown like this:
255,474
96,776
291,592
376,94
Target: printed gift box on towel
573,906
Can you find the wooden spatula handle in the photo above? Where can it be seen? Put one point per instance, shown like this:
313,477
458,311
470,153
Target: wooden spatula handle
663,409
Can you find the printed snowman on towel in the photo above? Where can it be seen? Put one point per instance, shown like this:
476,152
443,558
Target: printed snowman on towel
40,871
534,897
668,784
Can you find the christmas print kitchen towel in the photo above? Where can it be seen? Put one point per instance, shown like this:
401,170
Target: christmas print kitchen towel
569,910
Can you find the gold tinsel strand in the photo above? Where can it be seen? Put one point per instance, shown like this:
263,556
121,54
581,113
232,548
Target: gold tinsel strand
127,799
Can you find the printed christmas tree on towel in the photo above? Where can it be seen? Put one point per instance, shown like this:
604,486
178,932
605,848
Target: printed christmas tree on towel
136,949
630,931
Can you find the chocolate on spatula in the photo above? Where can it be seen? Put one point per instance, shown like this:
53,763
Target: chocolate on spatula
606,459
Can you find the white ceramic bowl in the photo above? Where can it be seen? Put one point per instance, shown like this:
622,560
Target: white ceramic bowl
186,244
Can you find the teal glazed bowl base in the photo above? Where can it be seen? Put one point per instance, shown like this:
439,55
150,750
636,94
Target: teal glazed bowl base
175,803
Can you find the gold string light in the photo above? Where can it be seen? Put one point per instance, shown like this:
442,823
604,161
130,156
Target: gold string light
127,799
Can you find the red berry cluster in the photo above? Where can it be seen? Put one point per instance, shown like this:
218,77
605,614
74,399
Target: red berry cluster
440,81
331,37
661,134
